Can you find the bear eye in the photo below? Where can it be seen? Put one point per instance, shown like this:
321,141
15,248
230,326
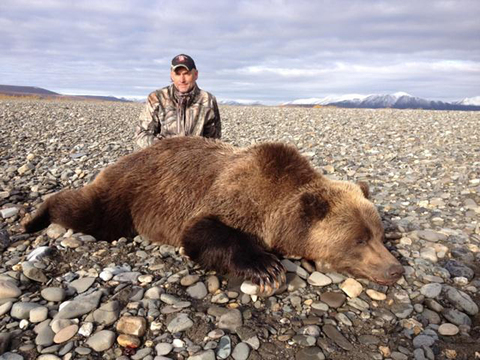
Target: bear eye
361,241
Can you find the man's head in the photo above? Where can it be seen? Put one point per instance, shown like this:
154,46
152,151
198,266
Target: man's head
183,73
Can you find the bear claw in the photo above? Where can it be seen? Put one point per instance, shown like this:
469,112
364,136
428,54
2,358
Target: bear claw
269,277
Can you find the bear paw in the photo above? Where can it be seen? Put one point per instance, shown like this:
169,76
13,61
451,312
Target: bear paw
268,274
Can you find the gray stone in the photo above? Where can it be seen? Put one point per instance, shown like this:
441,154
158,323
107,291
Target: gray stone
82,304
107,314
83,284
318,279
102,340
38,314
129,277
8,212
431,290
224,348
457,269
337,337
33,273
11,356
431,235
21,310
461,300
456,317
204,355
310,353
163,348
197,291
4,341
231,320
8,289
241,351
180,323
423,340
53,294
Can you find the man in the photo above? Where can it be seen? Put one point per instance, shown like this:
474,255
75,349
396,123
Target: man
181,109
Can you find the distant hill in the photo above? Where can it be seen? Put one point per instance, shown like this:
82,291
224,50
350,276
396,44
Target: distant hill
28,91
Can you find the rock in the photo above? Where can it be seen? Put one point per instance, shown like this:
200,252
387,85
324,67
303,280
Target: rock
33,273
241,351
53,294
310,353
71,243
10,356
333,299
249,336
163,348
107,314
461,301
189,280
45,334
431,235
40,253
197,291
337,337
249,288
38,314
448,329
86,329
8,212
351,287
128,277
83,284
224,348
4,341
292,267
129,341
318,279
65,334
456,317
431,290
203,355
180,323
8,289
55,231
423,340
6,307
457,269
132,325
102,340
21,310
80,305
375,295
231,320
213,284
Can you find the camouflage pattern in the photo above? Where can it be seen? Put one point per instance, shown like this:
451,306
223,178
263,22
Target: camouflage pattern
163,118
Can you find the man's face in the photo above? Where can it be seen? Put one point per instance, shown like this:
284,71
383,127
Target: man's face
183,79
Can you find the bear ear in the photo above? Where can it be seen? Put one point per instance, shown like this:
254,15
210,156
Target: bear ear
314,206
364,187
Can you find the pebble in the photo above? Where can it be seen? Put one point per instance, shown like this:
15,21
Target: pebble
33,273
132,325
351,287
375,295
197,291
431,290
8,289
203,355
65,334
129,341
163,348
224,348
333,299
241,351
102,340
448,329
231,320
318,279
83,284
180,323
54,294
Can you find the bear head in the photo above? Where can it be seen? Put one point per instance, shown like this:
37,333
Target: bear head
339,229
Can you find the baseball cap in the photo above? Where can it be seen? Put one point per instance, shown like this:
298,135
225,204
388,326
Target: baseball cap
183,60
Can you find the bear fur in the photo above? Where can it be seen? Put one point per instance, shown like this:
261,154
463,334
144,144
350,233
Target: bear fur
234,210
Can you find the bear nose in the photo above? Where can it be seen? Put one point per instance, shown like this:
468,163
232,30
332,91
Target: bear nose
395,271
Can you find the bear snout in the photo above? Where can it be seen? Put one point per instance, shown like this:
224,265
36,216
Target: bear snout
394,272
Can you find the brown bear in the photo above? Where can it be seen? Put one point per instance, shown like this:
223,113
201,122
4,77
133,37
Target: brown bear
232,209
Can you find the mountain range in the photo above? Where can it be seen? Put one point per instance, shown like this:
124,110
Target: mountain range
399,100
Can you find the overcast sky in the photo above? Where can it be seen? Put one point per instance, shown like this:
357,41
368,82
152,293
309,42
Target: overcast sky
270,51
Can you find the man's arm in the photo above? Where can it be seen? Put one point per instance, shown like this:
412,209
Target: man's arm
213,125
148,126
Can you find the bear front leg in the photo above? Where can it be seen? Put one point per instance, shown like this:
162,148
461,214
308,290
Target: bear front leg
217,246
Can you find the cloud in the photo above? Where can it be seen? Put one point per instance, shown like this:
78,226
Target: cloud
267,50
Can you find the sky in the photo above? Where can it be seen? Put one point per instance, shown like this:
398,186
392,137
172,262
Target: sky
267,51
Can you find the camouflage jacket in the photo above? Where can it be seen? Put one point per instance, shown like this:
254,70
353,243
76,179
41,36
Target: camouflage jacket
163,116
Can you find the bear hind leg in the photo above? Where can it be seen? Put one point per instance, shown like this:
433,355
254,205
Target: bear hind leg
217,246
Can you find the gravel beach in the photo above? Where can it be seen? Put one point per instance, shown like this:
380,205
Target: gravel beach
66,295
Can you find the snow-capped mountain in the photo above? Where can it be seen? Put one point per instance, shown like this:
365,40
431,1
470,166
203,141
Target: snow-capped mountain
473,101
239,102
327,100
398,100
